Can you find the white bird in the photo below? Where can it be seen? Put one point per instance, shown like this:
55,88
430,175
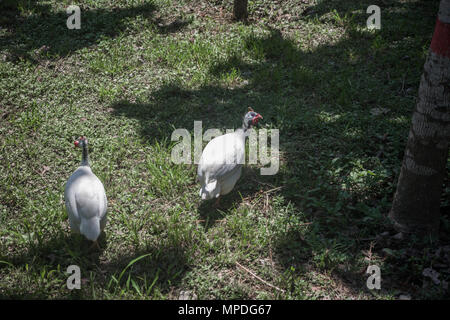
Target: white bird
85,198
221,162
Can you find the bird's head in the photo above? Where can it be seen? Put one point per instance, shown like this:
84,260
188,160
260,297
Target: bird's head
251,118
81,142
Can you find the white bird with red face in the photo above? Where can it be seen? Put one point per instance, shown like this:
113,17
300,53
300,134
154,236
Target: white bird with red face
85,198
221,162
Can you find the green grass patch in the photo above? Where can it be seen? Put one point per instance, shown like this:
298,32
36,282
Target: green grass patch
340,95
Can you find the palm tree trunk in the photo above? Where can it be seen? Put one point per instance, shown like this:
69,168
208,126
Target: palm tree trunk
240,9
416,204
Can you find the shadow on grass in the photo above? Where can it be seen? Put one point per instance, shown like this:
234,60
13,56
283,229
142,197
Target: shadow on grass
160,268
245,188
157,267
324,103
43,33
319,98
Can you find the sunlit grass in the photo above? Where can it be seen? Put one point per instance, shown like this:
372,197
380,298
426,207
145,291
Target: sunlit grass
139,69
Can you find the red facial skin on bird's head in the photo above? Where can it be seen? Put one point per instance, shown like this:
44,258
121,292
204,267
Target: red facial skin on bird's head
77,142
256,119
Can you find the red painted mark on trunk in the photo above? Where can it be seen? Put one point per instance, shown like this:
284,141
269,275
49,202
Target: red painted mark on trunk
440,44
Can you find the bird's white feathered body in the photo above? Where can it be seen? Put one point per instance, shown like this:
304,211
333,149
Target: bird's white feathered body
220,165
86,203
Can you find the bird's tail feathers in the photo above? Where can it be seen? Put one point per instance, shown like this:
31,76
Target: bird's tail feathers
90,228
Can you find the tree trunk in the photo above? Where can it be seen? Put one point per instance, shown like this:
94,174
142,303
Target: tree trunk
416,205
240,9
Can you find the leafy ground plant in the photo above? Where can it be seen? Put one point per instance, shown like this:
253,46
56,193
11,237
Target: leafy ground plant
340,95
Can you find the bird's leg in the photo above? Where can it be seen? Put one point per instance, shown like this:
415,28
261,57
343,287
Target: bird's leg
216,204
95,244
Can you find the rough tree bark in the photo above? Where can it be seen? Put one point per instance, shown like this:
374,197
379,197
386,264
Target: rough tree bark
416,205
240,9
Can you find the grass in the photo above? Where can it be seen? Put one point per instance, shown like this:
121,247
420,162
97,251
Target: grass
341,96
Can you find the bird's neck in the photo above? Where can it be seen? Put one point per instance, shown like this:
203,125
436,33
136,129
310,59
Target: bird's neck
244,131
85,156
246,127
